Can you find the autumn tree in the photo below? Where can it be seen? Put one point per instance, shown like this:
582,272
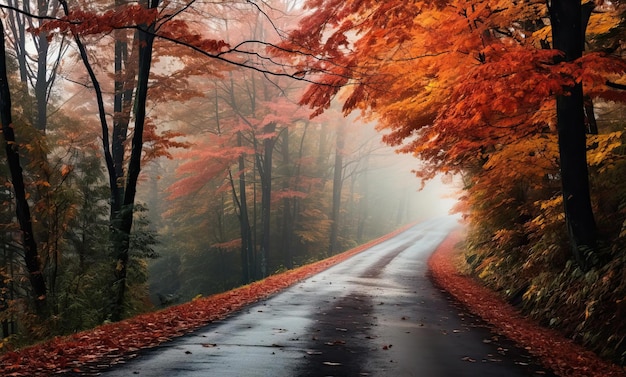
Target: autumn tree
38,58
258,118
500,94
569,24
454,115
249,118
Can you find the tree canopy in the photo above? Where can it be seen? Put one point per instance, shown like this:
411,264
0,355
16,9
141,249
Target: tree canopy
509,96
198,112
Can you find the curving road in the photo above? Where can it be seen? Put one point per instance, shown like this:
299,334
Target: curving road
376,314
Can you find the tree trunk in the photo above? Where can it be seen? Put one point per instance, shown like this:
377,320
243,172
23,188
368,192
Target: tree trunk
125,73
106,148
124,220
247,247
17,24
337,188
22,209
265,171
120,216
288,220
41,84
363,208
591,123
568,35
247,251
43,75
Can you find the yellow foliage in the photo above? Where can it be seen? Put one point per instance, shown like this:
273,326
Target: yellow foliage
555,202
543,34
484,273
601,148
602,22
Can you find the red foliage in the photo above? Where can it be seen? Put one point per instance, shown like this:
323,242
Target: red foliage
182,32
83,23
556,352
159,144
111,343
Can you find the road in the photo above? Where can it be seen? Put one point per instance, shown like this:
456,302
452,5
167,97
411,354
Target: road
376,314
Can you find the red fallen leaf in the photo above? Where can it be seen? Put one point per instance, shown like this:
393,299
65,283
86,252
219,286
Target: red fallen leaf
562,355
108,344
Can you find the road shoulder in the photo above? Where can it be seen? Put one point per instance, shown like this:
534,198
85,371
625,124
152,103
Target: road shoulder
556,352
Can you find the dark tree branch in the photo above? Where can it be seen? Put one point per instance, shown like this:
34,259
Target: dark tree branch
300,75
615,85
99,99
32,15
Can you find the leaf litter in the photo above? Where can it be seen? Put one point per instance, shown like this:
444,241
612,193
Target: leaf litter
562,355
96,349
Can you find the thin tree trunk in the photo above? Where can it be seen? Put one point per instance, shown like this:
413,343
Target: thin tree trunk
288,221
17,24
247,247
248,269
22,209
590,116
41,84
337,188
363,212
265,171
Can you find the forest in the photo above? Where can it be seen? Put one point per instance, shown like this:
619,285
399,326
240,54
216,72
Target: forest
157,151
230,181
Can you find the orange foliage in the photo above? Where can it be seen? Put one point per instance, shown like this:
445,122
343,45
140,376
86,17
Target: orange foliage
447,81
82,22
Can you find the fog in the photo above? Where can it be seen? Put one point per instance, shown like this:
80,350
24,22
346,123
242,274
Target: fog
199,233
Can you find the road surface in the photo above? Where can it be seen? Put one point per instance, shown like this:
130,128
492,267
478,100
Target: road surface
376,314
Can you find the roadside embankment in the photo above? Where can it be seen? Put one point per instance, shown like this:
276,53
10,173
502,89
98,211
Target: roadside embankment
557,352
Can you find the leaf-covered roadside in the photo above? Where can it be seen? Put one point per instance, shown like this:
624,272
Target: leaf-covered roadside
93,350
556,352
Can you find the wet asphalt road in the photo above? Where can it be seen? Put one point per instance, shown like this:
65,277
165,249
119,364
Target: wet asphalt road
376,314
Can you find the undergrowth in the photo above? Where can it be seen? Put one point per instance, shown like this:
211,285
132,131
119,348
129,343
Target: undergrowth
521,250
